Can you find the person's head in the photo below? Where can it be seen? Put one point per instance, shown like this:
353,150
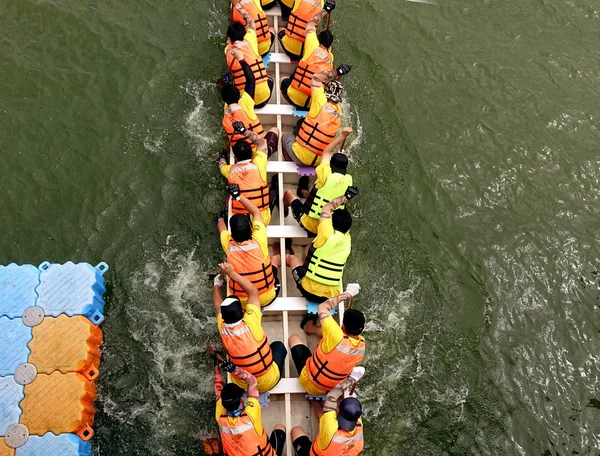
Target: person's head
240,227
242,150
338,163
236,32
341,220
353,322
349,413
334,91
231,310
231,397
230,93
326,38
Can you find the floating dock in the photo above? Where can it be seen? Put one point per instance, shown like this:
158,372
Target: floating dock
49,357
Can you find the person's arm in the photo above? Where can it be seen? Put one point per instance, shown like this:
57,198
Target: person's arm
218,382
234,191
250,380
246,285
333,144
259,141
221,225
217,298
312,24
332,206
332,396
324,309
249,21
320,79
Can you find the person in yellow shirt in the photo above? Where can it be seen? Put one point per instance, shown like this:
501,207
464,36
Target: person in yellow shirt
316,131
241,428
243,335
339,351
254,9
332,182
244,39
292,37
247,250
250,171
340,429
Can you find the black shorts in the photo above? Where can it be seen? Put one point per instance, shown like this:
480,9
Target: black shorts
302,446
277,285
300,354
297,211
298,274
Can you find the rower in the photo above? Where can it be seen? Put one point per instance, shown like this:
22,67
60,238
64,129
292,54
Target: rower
319,277
321,124
339,350
293,37
244,39
250,170
316,57
340,429
243,335
242,431
264,36
332,182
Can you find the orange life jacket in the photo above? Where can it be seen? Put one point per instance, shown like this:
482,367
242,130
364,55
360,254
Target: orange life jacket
254,61
342,444
325,371
248,261
320,60
258,16
241,439
252,186
317,132
299,19
235,113
245,352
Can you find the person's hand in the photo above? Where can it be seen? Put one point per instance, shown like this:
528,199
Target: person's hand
353,289
218,281
237,54
234,191
223,155
228,366
226,268
329,6
217,357
220,215
239,127
346,131
343,69
351,192
357,373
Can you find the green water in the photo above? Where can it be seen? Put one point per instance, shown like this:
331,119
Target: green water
476,237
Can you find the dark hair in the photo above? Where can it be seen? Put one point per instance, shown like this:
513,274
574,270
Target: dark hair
232,312
354,322
241,228
242,150
326,38
230,94
236,31
231,396
341,220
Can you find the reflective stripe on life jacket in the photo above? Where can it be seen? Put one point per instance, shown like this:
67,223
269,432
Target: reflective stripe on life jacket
254,61
235,113
325,371
335,186
249,261
258,16
299,19
342,444
320,60
244,351
241,438
247,175
317,132
326,264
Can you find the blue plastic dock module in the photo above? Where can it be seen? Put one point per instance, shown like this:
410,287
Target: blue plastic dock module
72,289
55,445
11,394
14,337
17,289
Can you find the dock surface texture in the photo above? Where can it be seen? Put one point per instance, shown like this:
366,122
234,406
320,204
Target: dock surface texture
49,357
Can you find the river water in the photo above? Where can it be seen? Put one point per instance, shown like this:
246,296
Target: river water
476,238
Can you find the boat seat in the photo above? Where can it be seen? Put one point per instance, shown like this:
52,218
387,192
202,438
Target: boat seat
289,386
274,109
282,167
279,57
275,11
286,304
285,231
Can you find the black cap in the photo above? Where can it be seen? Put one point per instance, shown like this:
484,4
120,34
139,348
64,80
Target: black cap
350,412
338,163
231,395
231,309
354,322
